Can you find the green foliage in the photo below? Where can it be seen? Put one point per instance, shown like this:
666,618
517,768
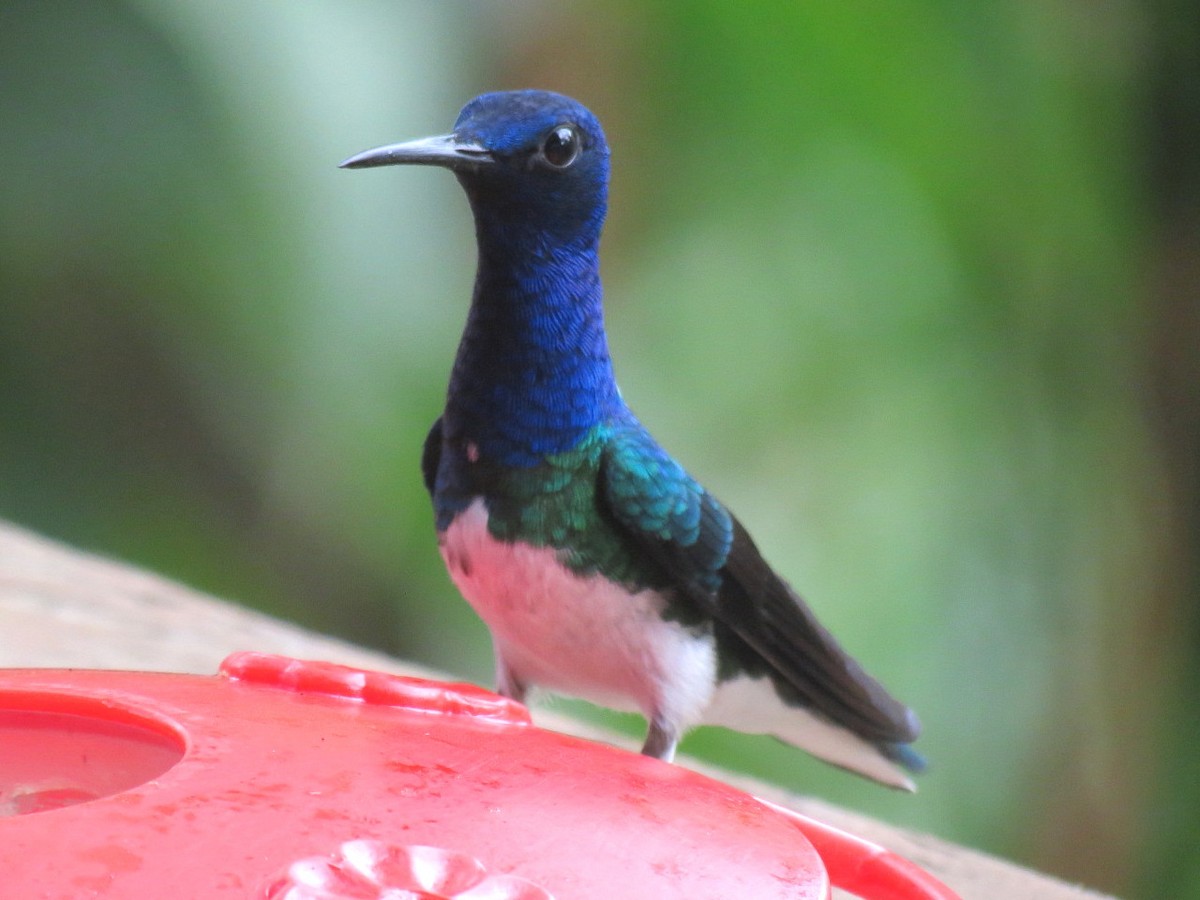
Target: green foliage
876,275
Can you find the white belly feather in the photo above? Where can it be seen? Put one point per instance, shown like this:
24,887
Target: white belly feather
590,638
579,635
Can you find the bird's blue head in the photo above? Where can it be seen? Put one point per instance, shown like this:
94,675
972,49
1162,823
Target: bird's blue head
527,159
533,373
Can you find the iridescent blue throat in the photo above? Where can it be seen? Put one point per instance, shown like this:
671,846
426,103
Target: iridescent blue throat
533,372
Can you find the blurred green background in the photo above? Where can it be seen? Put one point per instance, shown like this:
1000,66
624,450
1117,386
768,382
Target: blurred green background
913,287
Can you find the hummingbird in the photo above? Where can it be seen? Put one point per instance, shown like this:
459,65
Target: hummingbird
602,569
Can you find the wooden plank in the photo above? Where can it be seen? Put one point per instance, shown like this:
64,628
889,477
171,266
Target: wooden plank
60,608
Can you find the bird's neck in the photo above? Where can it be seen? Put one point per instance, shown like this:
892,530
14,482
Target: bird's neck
533,374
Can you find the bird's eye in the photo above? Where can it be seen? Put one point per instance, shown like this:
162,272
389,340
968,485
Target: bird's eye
561,146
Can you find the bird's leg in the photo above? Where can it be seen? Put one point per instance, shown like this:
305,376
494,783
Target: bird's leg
507,683
661,739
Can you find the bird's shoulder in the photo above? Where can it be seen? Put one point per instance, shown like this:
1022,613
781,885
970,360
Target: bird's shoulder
431,455
667,511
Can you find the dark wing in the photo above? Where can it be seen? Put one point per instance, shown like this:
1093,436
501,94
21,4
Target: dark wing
713,563
764,611
431,455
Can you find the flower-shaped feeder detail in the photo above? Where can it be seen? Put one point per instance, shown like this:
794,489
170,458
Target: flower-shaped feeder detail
374,870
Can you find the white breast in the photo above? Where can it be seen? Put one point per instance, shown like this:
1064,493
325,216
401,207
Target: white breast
579,635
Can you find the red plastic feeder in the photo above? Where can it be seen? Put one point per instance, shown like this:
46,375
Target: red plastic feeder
290,780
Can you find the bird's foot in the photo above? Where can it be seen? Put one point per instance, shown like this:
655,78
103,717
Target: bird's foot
507,684
661,740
